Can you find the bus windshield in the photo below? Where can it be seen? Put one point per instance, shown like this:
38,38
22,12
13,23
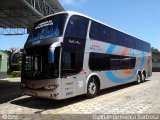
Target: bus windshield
49,27
36,65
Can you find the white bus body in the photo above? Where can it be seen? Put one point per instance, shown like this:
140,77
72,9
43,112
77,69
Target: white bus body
79,55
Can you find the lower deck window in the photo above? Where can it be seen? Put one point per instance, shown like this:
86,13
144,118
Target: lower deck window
99,61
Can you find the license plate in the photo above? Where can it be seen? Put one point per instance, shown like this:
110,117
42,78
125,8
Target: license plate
31,93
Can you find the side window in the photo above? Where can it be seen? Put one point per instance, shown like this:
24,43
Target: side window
72,62
68,61
148,47
94,31
29,63
131,42
37,63
104,33
122,62
98,32
77,27
99,61
122,39
113,36
115,62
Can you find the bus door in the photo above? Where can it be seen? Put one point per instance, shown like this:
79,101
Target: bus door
68,73
72,63
73,53
68,86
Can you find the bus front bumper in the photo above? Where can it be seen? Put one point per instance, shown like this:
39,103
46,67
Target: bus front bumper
50,94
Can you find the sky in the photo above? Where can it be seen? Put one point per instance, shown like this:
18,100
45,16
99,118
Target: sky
139,18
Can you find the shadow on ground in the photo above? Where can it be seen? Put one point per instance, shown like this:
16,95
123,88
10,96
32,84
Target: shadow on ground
9,90
45,104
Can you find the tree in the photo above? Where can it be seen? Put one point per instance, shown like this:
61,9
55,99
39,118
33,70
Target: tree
154,49
16,55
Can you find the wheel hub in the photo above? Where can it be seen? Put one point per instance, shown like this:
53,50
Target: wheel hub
92,88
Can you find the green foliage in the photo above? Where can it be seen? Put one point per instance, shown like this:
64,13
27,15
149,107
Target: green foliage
15,67
154,49
17,58
16,74
9,75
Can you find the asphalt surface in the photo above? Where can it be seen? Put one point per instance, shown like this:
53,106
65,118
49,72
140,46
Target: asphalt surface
9,89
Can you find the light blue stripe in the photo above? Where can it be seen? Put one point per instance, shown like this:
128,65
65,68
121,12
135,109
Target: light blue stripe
114,78
111,49
142,61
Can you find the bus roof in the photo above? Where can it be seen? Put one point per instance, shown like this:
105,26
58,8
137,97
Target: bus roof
83,15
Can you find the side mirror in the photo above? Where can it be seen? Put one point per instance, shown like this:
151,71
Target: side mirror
51,55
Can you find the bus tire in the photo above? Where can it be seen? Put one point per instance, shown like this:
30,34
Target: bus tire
92,88
138,78
143,77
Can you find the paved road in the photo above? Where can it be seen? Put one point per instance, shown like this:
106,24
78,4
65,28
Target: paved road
134,101
9,89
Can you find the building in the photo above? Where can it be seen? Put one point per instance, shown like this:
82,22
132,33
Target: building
156,61
3,65
18,16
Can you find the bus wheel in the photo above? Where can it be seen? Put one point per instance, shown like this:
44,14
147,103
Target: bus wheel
143,77
138,78
92,88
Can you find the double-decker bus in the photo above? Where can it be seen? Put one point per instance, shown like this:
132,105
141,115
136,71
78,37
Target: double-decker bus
69,54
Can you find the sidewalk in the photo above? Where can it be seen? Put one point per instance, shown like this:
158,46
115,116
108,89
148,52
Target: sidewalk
17,79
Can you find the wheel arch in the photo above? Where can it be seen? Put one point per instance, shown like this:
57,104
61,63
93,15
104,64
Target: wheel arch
139,72
144,73
97,78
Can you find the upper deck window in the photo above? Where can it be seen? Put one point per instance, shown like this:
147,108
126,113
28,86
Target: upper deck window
107,34
98,32
77,27
49,27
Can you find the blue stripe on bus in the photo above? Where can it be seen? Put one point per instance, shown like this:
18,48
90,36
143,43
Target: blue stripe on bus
113,77
143,61
110,49
116,79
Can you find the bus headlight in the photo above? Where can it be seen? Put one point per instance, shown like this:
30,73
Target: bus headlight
51,87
